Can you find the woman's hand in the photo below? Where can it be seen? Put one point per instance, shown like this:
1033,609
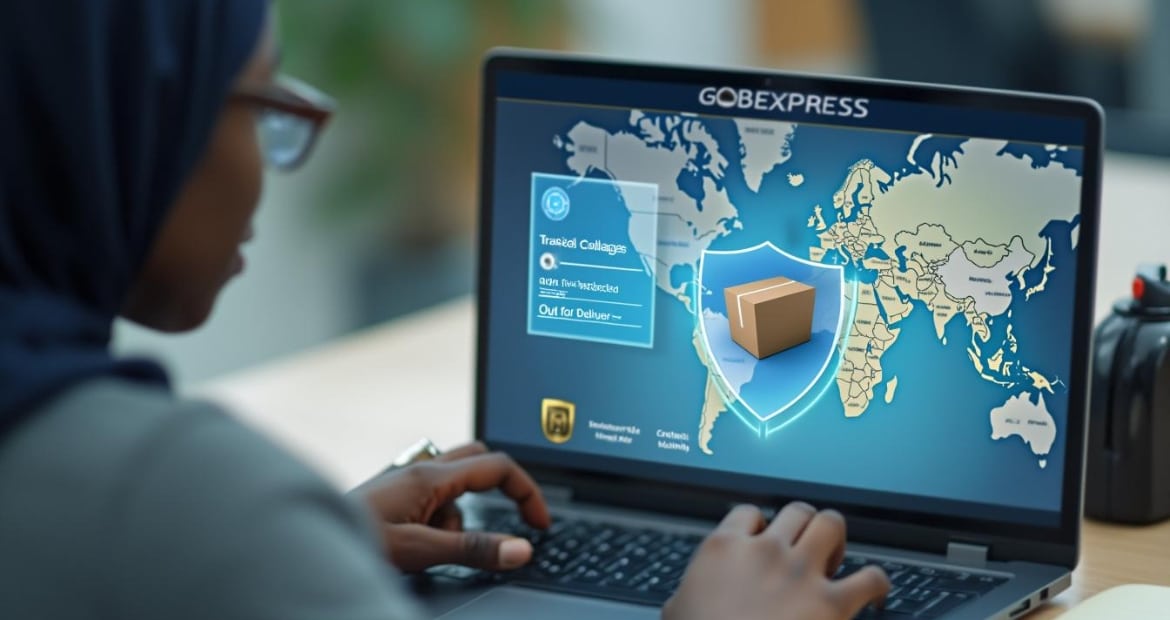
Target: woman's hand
421,525
748,569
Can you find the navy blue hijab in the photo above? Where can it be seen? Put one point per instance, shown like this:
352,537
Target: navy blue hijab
105,108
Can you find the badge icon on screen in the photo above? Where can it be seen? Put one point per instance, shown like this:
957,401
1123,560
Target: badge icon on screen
555,204
556,419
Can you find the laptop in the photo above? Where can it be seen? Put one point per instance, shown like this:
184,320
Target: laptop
700,287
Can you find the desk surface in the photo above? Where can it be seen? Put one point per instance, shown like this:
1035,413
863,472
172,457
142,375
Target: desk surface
351,406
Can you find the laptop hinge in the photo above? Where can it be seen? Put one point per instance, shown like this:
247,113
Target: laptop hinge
964,554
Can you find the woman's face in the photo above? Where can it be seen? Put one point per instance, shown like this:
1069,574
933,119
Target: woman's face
198,248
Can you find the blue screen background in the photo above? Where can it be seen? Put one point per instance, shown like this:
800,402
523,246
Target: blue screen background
932,440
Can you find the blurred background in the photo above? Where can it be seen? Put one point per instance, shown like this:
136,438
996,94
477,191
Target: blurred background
381,222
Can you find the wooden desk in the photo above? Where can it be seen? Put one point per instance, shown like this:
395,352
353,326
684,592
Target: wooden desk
1112,555
353,405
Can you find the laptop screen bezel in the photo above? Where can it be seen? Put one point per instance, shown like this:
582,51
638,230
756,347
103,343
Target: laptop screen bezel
928,531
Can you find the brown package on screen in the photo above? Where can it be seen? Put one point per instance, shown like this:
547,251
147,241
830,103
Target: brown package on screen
769,316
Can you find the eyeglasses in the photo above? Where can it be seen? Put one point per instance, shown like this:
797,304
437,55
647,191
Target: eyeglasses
292,115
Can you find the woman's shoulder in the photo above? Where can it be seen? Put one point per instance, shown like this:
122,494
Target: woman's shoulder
149,502
97,432
106,445
86,436
110,438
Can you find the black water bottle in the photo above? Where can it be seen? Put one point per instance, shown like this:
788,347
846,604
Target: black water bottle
1128,468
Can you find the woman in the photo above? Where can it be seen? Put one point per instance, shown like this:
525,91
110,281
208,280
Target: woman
132,138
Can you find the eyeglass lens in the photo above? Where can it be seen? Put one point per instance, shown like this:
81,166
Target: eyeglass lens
285,138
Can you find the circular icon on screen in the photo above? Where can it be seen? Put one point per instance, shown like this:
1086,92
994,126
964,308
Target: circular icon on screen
548,262
555,204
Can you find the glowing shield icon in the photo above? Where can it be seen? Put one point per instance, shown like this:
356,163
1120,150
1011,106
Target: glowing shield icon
556,419
769,392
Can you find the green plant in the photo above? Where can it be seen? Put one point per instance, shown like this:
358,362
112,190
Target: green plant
405,74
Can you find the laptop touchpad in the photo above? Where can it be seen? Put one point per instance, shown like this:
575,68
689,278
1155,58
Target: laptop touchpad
513,603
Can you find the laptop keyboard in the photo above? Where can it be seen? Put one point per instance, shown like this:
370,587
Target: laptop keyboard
922,591
645,566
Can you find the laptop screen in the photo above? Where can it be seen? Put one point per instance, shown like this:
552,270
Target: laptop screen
804,290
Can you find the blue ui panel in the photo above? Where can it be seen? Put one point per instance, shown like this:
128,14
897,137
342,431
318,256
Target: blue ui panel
592,259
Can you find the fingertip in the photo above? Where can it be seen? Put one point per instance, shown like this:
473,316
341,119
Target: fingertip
876,580
834,516
744,517
542,508
742,512
533,508
514,553
545,520
879,572
537,514
868,586
789,524
802,506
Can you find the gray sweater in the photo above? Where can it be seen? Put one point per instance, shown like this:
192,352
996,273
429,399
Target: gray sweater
118,501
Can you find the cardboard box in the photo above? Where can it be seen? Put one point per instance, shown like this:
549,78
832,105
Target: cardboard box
770,316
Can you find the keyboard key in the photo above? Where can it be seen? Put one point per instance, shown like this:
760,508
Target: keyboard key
615,564
905,606
622,539
615,578
666,585
981,584
905,578
873,613
917,595
945,603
